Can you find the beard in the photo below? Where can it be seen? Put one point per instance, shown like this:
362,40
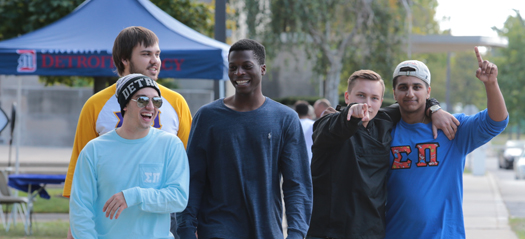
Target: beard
133,70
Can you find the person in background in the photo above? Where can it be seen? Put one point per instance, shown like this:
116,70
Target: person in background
320,106
302,109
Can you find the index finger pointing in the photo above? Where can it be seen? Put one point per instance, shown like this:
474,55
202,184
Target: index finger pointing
480,60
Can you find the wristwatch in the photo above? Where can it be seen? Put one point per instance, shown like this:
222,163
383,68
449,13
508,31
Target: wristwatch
434,109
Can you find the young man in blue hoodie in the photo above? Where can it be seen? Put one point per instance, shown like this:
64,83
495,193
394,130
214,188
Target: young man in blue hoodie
129,180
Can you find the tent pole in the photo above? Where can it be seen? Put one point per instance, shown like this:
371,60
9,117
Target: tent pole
18,133
220,35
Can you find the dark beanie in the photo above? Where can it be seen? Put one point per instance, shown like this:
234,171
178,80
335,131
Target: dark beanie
128,85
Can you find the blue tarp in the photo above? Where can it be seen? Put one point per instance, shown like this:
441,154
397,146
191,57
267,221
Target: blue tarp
80,44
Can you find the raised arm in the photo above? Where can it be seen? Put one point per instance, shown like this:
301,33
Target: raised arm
488,74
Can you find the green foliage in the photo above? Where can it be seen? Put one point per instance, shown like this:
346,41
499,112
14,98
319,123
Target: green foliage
361,34
73,81
511,65
381,47
423,12
22,16
341,36
194,14
465,87
437,63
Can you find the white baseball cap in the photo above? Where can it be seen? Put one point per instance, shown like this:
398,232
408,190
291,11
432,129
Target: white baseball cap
413,68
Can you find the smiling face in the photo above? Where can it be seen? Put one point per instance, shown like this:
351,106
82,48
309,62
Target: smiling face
411,93
244,72
140,118
144,60
366,91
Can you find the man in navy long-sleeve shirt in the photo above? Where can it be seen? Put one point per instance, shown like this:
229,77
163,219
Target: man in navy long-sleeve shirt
239,147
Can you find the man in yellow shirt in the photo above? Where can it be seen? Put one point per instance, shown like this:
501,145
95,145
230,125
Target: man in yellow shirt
135,50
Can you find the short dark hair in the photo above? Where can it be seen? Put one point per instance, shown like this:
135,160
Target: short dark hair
250,45
301,108
126,40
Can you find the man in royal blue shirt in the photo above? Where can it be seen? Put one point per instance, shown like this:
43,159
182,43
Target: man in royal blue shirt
425,185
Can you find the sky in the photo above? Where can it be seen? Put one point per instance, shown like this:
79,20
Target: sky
476,17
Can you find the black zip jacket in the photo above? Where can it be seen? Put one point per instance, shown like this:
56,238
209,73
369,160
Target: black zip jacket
349,170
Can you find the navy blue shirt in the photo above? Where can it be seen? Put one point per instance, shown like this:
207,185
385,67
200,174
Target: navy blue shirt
236,161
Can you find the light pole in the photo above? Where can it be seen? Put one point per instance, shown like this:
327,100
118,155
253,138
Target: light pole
220,35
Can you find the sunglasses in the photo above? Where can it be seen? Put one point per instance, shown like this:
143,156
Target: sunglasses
142,101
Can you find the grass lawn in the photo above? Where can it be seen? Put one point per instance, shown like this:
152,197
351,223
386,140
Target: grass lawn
56,204
48,230
518,226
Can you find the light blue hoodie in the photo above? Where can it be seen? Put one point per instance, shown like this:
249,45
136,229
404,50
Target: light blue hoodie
153,174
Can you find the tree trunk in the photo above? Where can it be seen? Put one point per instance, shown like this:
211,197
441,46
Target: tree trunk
332,82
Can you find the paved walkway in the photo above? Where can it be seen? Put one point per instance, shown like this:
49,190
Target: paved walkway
486,216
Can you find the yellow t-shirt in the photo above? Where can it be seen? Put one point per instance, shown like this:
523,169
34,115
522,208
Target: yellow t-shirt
101,114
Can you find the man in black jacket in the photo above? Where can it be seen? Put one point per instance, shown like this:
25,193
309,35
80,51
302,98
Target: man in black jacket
351,158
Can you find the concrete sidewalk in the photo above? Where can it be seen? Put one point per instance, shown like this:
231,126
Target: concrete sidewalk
485,213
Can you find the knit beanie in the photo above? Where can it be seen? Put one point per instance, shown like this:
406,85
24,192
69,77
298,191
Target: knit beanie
129,84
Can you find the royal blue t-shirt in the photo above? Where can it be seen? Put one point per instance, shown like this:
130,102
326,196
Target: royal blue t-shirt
425,183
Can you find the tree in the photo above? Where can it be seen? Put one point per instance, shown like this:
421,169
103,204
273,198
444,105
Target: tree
381,47
325,28
341,36
22,16
511,65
